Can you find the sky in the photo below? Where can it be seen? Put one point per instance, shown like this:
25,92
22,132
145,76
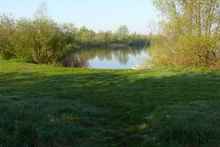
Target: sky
99,15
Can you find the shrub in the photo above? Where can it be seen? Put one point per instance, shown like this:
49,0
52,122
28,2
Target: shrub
187,50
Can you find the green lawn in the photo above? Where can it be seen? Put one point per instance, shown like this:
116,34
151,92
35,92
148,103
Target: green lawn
43,105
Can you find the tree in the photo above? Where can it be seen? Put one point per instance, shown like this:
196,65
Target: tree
7,33
42,12
191,29
85,36
122,33
123,30
197,17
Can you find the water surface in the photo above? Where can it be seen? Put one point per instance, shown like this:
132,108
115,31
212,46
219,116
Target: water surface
122,58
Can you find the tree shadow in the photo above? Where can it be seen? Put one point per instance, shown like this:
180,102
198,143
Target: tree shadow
100,108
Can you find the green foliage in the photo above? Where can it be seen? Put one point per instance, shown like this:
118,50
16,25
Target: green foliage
32,40
123,30
41,40
62,42
197,17
88,38
187,51
191,34
7,36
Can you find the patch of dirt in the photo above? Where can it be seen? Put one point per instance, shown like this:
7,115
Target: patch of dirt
25,69
140,67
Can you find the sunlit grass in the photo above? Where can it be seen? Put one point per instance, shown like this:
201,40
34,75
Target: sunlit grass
44,105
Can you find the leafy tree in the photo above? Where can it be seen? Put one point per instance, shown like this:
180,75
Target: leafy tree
42,40
197,17
7,33
63,42
191,30
123,30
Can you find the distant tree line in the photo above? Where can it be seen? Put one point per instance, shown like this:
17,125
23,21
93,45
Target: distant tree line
122,37
190,33
42,40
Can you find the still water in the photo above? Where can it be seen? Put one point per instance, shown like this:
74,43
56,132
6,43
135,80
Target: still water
123,58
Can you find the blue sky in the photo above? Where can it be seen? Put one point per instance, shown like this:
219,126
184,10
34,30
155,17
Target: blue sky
94,14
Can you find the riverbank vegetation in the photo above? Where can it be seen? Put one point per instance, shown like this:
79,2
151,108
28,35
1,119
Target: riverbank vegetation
176,103
42,40
43,105
190,34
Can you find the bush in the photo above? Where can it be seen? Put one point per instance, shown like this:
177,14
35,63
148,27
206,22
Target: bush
37,40
187,50
42,40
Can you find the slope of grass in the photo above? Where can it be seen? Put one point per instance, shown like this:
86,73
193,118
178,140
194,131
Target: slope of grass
42,105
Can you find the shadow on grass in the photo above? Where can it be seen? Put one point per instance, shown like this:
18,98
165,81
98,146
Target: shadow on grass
109,109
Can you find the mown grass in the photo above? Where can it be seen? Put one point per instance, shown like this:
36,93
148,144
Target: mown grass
42,105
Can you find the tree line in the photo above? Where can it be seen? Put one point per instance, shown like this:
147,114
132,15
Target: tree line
190,33
42,40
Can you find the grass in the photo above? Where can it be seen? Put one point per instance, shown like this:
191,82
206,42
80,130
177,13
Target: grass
43,105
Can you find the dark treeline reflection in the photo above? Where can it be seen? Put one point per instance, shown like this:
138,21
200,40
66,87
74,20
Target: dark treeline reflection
81,58
74,60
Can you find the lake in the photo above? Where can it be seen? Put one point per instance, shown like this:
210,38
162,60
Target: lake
122,58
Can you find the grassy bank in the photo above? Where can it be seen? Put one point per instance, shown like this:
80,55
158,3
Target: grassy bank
42,105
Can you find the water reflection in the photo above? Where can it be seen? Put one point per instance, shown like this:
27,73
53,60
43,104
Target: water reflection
73,60
122,58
